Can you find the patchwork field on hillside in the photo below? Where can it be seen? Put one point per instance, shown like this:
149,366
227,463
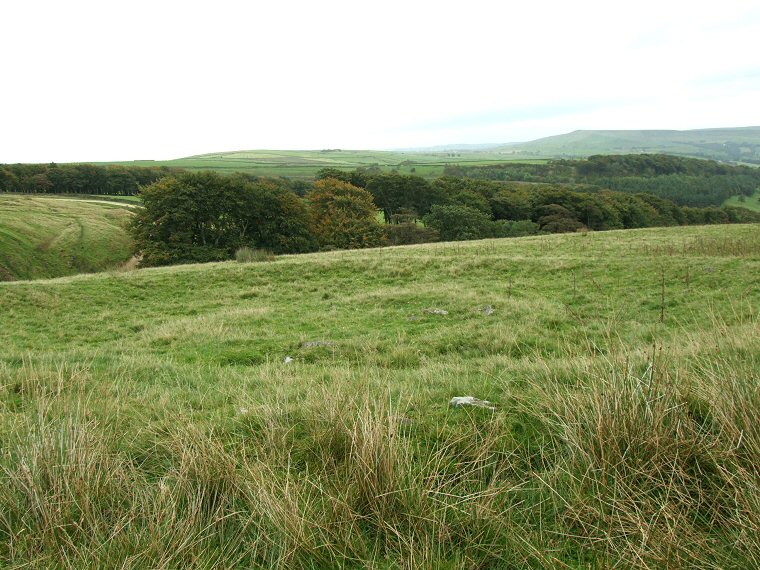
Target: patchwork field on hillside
45,236
305,164
149,419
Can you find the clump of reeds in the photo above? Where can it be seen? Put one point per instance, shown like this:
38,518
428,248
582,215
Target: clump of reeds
657,473
253,255
633,465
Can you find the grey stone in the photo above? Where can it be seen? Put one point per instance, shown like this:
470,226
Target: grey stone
488,310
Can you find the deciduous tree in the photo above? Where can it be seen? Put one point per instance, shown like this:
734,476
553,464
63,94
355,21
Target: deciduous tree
343,215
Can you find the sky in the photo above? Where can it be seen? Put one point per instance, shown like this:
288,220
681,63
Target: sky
115,80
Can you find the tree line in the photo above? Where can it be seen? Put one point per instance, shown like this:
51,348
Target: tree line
93,179
206,216
685,181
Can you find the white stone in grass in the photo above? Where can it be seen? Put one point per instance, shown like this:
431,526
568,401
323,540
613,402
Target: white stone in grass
461,401
289,360
437,311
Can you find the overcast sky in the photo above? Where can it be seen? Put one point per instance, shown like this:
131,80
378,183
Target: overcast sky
115,80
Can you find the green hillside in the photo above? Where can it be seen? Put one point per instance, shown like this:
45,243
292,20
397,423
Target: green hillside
44,236
306,163
149,419
731,144
749,202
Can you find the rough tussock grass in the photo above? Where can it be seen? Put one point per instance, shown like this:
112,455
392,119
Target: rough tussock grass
629,470
618,440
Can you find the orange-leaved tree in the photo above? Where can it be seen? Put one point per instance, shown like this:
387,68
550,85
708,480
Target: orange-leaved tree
343,215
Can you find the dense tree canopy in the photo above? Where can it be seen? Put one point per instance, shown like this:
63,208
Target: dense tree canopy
394,194
78,178
456,222
343,215
205,216
685,181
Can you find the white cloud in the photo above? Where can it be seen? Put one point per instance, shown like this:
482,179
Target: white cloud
108,81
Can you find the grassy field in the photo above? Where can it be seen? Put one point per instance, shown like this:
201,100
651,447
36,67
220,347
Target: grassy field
740,145
750,202
148,419
730,144
45,236
304,164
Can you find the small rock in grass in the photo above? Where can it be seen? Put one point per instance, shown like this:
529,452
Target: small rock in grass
461,401
437,311
488,310
288,360
316,343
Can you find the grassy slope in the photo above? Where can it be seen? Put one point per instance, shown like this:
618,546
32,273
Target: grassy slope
750,202
148,417
704,143
43,236
700,143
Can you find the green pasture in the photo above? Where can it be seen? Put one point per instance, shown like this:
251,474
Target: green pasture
47,236
304,164
749,202
149,419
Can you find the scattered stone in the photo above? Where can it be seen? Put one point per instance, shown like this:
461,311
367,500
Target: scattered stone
437,311
288,360
413,319
316,343
488,310
461,401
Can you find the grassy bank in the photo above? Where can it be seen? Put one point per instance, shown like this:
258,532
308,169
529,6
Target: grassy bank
749,202
149,419
45,236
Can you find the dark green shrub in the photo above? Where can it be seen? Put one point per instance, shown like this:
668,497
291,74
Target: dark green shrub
455,223
409,233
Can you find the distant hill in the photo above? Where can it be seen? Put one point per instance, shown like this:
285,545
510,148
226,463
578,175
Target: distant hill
45,236
731,144
738,145
304,164
482,147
